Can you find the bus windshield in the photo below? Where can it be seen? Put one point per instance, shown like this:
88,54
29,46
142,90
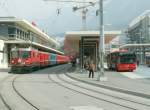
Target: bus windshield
127,58
24,54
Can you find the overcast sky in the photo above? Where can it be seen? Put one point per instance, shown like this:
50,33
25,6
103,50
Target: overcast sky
117,14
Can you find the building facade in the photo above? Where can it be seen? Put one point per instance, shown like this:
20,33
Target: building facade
19,33
138,33
85,44
139,29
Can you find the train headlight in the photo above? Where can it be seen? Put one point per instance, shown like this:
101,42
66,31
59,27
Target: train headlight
12,61
19,60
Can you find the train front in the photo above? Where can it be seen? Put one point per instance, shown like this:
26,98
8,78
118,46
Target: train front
20,59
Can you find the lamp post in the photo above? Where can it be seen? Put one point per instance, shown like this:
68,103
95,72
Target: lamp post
101,41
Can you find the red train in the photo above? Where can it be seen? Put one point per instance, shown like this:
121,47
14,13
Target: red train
22,59
121,61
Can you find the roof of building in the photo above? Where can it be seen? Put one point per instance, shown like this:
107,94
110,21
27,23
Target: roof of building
76,35
93,33
29,26
135,45
139,18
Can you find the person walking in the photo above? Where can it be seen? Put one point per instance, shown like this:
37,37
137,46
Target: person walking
91,69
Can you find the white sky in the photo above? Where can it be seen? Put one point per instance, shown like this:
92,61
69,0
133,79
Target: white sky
118,13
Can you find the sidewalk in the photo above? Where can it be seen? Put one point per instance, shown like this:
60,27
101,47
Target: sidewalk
140,73
117,81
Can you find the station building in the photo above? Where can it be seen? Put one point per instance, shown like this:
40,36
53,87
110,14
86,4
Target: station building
138,34
85,44
19,33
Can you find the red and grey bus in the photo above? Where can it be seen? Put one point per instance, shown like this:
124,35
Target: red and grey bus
121,61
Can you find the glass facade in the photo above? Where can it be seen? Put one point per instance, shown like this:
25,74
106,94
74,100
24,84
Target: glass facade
11,32
140,32
3,30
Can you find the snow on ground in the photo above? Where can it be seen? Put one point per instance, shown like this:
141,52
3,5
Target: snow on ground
140,72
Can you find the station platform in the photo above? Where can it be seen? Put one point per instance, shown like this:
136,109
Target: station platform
118,81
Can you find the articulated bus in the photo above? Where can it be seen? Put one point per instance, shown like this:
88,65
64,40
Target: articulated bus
121,61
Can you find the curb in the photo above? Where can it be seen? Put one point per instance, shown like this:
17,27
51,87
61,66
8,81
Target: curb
112,88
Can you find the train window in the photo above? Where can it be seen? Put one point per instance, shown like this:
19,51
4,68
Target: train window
14,54
18,32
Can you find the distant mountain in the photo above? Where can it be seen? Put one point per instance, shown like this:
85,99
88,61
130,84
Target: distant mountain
59,34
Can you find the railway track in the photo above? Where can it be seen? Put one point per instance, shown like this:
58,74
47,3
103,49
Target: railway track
78,87
13,81
126,103
13,86
1,96
20,95
99,92
122,90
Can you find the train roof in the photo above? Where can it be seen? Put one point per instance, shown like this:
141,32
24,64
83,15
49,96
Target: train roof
41,47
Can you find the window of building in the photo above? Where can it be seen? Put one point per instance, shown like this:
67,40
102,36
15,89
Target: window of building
12,31
18,33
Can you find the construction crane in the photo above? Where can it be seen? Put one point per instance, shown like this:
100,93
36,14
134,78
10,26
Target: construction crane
84,8
84,11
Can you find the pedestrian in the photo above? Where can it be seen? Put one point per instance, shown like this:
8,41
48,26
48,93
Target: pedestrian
74,62
91,69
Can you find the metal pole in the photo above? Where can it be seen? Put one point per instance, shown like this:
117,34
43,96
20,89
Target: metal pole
84,19
101,42
141,53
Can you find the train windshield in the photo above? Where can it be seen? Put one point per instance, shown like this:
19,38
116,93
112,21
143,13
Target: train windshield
14,54
24,54
127,58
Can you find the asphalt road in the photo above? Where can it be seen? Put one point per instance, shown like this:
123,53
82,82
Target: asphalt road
51,89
